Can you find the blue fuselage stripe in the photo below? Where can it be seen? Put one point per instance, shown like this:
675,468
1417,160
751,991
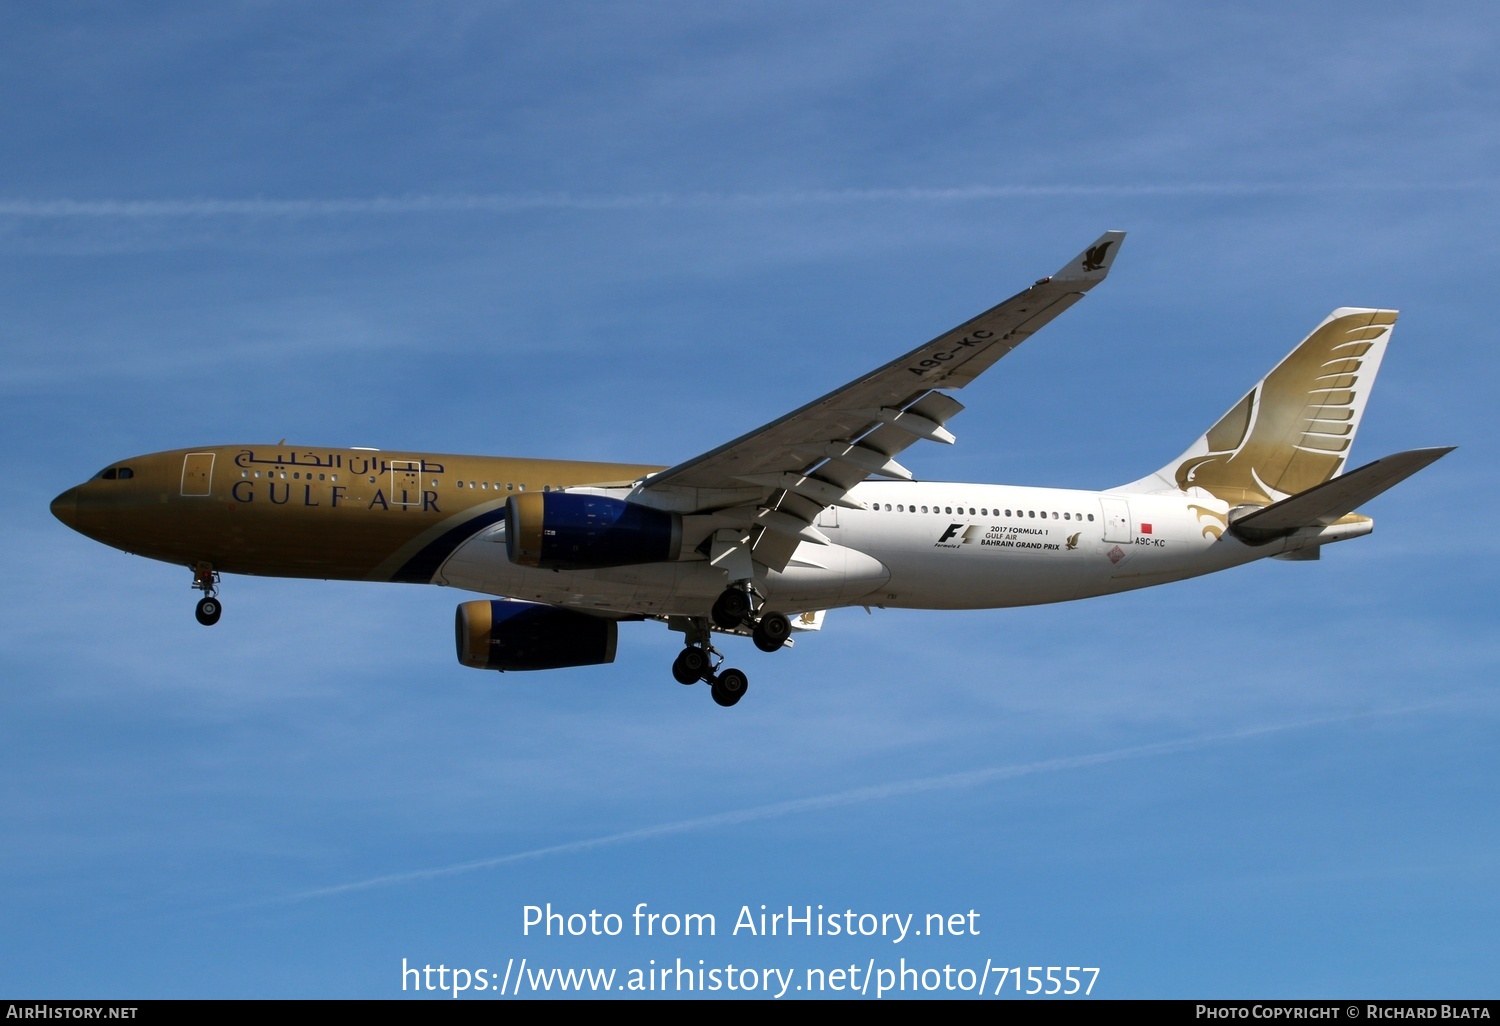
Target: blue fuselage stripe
420,568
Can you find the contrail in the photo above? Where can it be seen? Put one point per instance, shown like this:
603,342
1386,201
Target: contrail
857,796
508,203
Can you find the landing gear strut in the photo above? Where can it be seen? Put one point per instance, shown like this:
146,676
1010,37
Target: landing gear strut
206,580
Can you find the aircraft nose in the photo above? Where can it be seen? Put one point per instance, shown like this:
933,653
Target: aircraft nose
65,507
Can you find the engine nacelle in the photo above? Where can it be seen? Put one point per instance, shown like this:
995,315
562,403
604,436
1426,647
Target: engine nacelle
502,635
572,531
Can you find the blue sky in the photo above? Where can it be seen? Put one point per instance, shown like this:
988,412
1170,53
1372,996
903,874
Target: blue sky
621,231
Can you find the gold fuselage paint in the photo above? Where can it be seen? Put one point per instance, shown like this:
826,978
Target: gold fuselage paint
335,514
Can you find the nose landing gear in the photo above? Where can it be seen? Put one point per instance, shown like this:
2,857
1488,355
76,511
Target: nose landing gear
206,580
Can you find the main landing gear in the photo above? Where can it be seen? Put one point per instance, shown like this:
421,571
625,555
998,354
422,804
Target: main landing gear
734,610
701,661
206,580
737,608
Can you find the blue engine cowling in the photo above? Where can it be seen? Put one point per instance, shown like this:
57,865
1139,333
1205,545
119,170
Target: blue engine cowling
507,635
571,531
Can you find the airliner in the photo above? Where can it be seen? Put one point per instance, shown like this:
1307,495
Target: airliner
759,537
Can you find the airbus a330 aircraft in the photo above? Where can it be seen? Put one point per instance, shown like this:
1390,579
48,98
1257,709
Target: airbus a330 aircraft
761,535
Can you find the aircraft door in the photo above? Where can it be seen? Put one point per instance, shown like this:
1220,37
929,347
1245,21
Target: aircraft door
406,483
1116,520
197,474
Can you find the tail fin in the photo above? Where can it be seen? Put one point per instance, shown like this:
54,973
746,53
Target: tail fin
1293,431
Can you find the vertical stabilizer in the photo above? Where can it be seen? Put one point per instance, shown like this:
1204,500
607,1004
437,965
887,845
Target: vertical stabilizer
1294,430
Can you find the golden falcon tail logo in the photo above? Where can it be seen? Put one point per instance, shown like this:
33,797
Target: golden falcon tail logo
1293,430
1093,257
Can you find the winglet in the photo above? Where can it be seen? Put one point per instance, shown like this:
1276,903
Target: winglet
1093,263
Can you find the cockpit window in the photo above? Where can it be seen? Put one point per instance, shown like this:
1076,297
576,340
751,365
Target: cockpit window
126,472
110,474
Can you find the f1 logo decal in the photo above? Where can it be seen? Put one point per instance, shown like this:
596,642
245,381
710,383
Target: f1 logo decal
952,530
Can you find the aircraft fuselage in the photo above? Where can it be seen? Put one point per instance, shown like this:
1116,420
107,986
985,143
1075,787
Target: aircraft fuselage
358,514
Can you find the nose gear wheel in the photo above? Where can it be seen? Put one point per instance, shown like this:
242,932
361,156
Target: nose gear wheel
206,580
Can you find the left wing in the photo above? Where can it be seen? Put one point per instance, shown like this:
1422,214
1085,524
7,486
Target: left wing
769,486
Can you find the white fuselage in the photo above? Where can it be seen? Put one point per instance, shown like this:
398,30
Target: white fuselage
929,545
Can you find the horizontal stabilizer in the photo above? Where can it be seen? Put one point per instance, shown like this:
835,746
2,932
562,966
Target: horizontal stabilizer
1323,504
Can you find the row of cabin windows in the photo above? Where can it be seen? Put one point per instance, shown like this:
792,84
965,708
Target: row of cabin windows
984,511
125,473
510,486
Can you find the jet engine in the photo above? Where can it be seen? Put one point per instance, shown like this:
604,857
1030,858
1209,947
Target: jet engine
507,635
571,531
